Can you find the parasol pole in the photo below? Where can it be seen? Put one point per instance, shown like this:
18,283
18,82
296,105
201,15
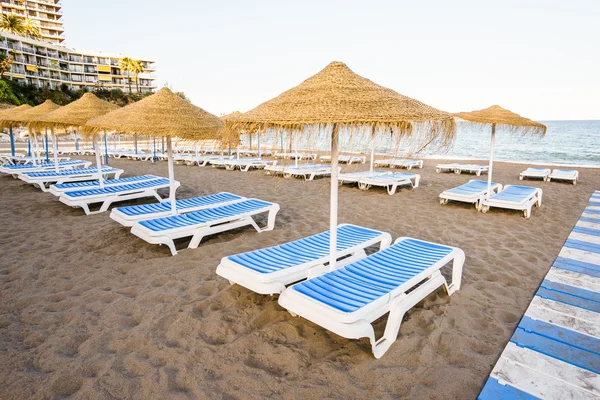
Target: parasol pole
105,149
55,149
171,176
258,143
489,185
98,160
47,150
12,141
76,142
154,157
295,148
29,145
333,201
135,142
372,149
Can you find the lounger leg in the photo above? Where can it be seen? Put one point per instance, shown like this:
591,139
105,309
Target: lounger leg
417,181
399,307
457,270
86,209
392,189
271,219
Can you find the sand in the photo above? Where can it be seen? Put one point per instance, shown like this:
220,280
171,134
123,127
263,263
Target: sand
87,310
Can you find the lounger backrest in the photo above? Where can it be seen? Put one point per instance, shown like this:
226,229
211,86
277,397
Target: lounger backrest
76,185
120,188
203,216
68,172
144,209
45,165
387,272
304,250
515,193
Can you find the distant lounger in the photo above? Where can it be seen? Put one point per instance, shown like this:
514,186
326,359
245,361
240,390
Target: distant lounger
205,222
200,160
15,170
295,155
42,179
568,175
400,163
128,216
535,173
354,177
270,270
521,198
59,188
244,164
307,171
114,194
460,168
472,192
391,181
346,159
347,300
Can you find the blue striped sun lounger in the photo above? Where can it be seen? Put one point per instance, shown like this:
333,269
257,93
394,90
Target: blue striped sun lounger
127,216
42,178
569,175
270,270
347,300
472,192
554,353
113,194
59,188
354,177
17,169
521,198
534,173
205,222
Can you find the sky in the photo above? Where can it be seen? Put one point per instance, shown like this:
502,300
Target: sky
538,58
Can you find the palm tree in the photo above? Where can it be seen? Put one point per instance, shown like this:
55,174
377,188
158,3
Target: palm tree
126,64
31,29
5,64
137,68
12,23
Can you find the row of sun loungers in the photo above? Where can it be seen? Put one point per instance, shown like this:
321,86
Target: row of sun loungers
346,159
399,163
460,168
547,175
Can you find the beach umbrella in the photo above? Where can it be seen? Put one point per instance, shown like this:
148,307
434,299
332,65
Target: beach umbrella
8,113
75,115
29,116
338,98
163,114
501,118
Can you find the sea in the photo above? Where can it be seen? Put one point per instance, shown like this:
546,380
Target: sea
575,143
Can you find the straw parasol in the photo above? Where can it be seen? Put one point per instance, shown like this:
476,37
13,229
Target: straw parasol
339,97
163,114
503,119
9,112
76,114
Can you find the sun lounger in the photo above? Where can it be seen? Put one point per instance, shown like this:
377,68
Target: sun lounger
400,163
513,197
564,175
128,216
472,192
535,173
114,194
201,160
346,159
295,155
59,188
205,222
270,270
346,301
141,156
391,181
354,177
471,169
244,164
42,178
307,171
17,169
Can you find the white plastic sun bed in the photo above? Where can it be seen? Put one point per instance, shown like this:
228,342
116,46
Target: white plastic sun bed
534,173
42,178
114,194
346,159
15,170
307,171
128,216
244,164
569,175
295,155
354,177
400,163
346,301
270,270
59,188
472,192
205,222
460,168
391,181
513,197
141,156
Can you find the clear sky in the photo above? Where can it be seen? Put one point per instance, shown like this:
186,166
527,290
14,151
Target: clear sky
539,58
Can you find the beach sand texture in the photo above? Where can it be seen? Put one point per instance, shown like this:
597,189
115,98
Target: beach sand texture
88,310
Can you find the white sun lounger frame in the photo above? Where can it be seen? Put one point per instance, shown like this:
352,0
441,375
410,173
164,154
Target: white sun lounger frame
275,282
108,199
107,183
295,155
346,158
399,163
41,182
354,177
535,199
564,175
476,199
243,164
390,182
535,173
308,174
357,324
199,231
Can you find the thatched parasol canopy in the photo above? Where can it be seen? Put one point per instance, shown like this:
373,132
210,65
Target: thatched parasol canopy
11,113
504,119
28,116
162,114
338,95
77,113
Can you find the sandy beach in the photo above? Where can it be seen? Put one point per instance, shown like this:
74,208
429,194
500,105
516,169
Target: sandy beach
88,310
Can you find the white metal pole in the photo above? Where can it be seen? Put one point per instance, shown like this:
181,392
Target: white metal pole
98,160
372,149
171,176
333,201
55,149
35,149
295,147
258,143
489,187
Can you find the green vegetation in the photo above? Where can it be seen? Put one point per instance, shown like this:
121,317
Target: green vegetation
14,24
12,92
129,65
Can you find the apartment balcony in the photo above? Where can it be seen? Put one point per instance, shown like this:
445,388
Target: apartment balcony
26,49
